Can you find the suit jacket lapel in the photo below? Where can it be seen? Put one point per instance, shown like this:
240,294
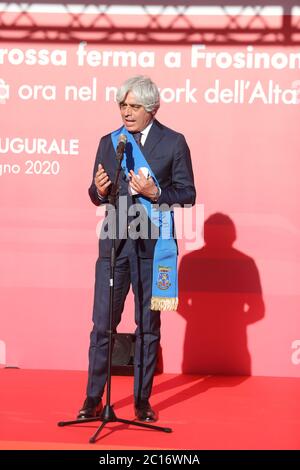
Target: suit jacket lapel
156,133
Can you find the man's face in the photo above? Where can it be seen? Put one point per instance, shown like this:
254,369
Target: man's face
134,115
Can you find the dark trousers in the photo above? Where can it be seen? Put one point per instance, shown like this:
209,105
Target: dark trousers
138,272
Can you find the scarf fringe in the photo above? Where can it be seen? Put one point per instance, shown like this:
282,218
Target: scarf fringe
164,303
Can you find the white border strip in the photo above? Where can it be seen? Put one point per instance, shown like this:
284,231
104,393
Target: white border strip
296,11
141,10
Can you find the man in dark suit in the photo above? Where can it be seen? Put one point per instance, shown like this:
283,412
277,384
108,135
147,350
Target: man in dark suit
168,156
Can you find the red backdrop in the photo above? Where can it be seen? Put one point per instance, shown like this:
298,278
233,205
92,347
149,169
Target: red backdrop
239,304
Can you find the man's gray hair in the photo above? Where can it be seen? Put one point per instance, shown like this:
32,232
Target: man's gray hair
144,90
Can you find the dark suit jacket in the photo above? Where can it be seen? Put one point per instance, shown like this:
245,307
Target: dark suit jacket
168,155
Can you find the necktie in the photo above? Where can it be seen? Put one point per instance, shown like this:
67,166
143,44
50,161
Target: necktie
137,137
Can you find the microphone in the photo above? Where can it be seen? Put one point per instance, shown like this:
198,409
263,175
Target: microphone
121,146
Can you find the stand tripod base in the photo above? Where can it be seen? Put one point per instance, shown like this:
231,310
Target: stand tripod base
108,416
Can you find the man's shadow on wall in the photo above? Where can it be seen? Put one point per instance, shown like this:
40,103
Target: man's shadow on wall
220,295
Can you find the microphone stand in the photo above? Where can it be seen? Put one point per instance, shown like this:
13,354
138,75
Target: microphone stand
108,415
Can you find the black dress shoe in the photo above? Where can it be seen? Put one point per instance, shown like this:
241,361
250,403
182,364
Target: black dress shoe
144,412
91,408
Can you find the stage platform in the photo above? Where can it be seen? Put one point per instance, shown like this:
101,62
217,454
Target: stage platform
205,412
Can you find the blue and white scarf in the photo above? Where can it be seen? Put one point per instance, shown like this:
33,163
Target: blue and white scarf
164,277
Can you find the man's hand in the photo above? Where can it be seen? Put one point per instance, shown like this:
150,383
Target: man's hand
142,185
102,181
